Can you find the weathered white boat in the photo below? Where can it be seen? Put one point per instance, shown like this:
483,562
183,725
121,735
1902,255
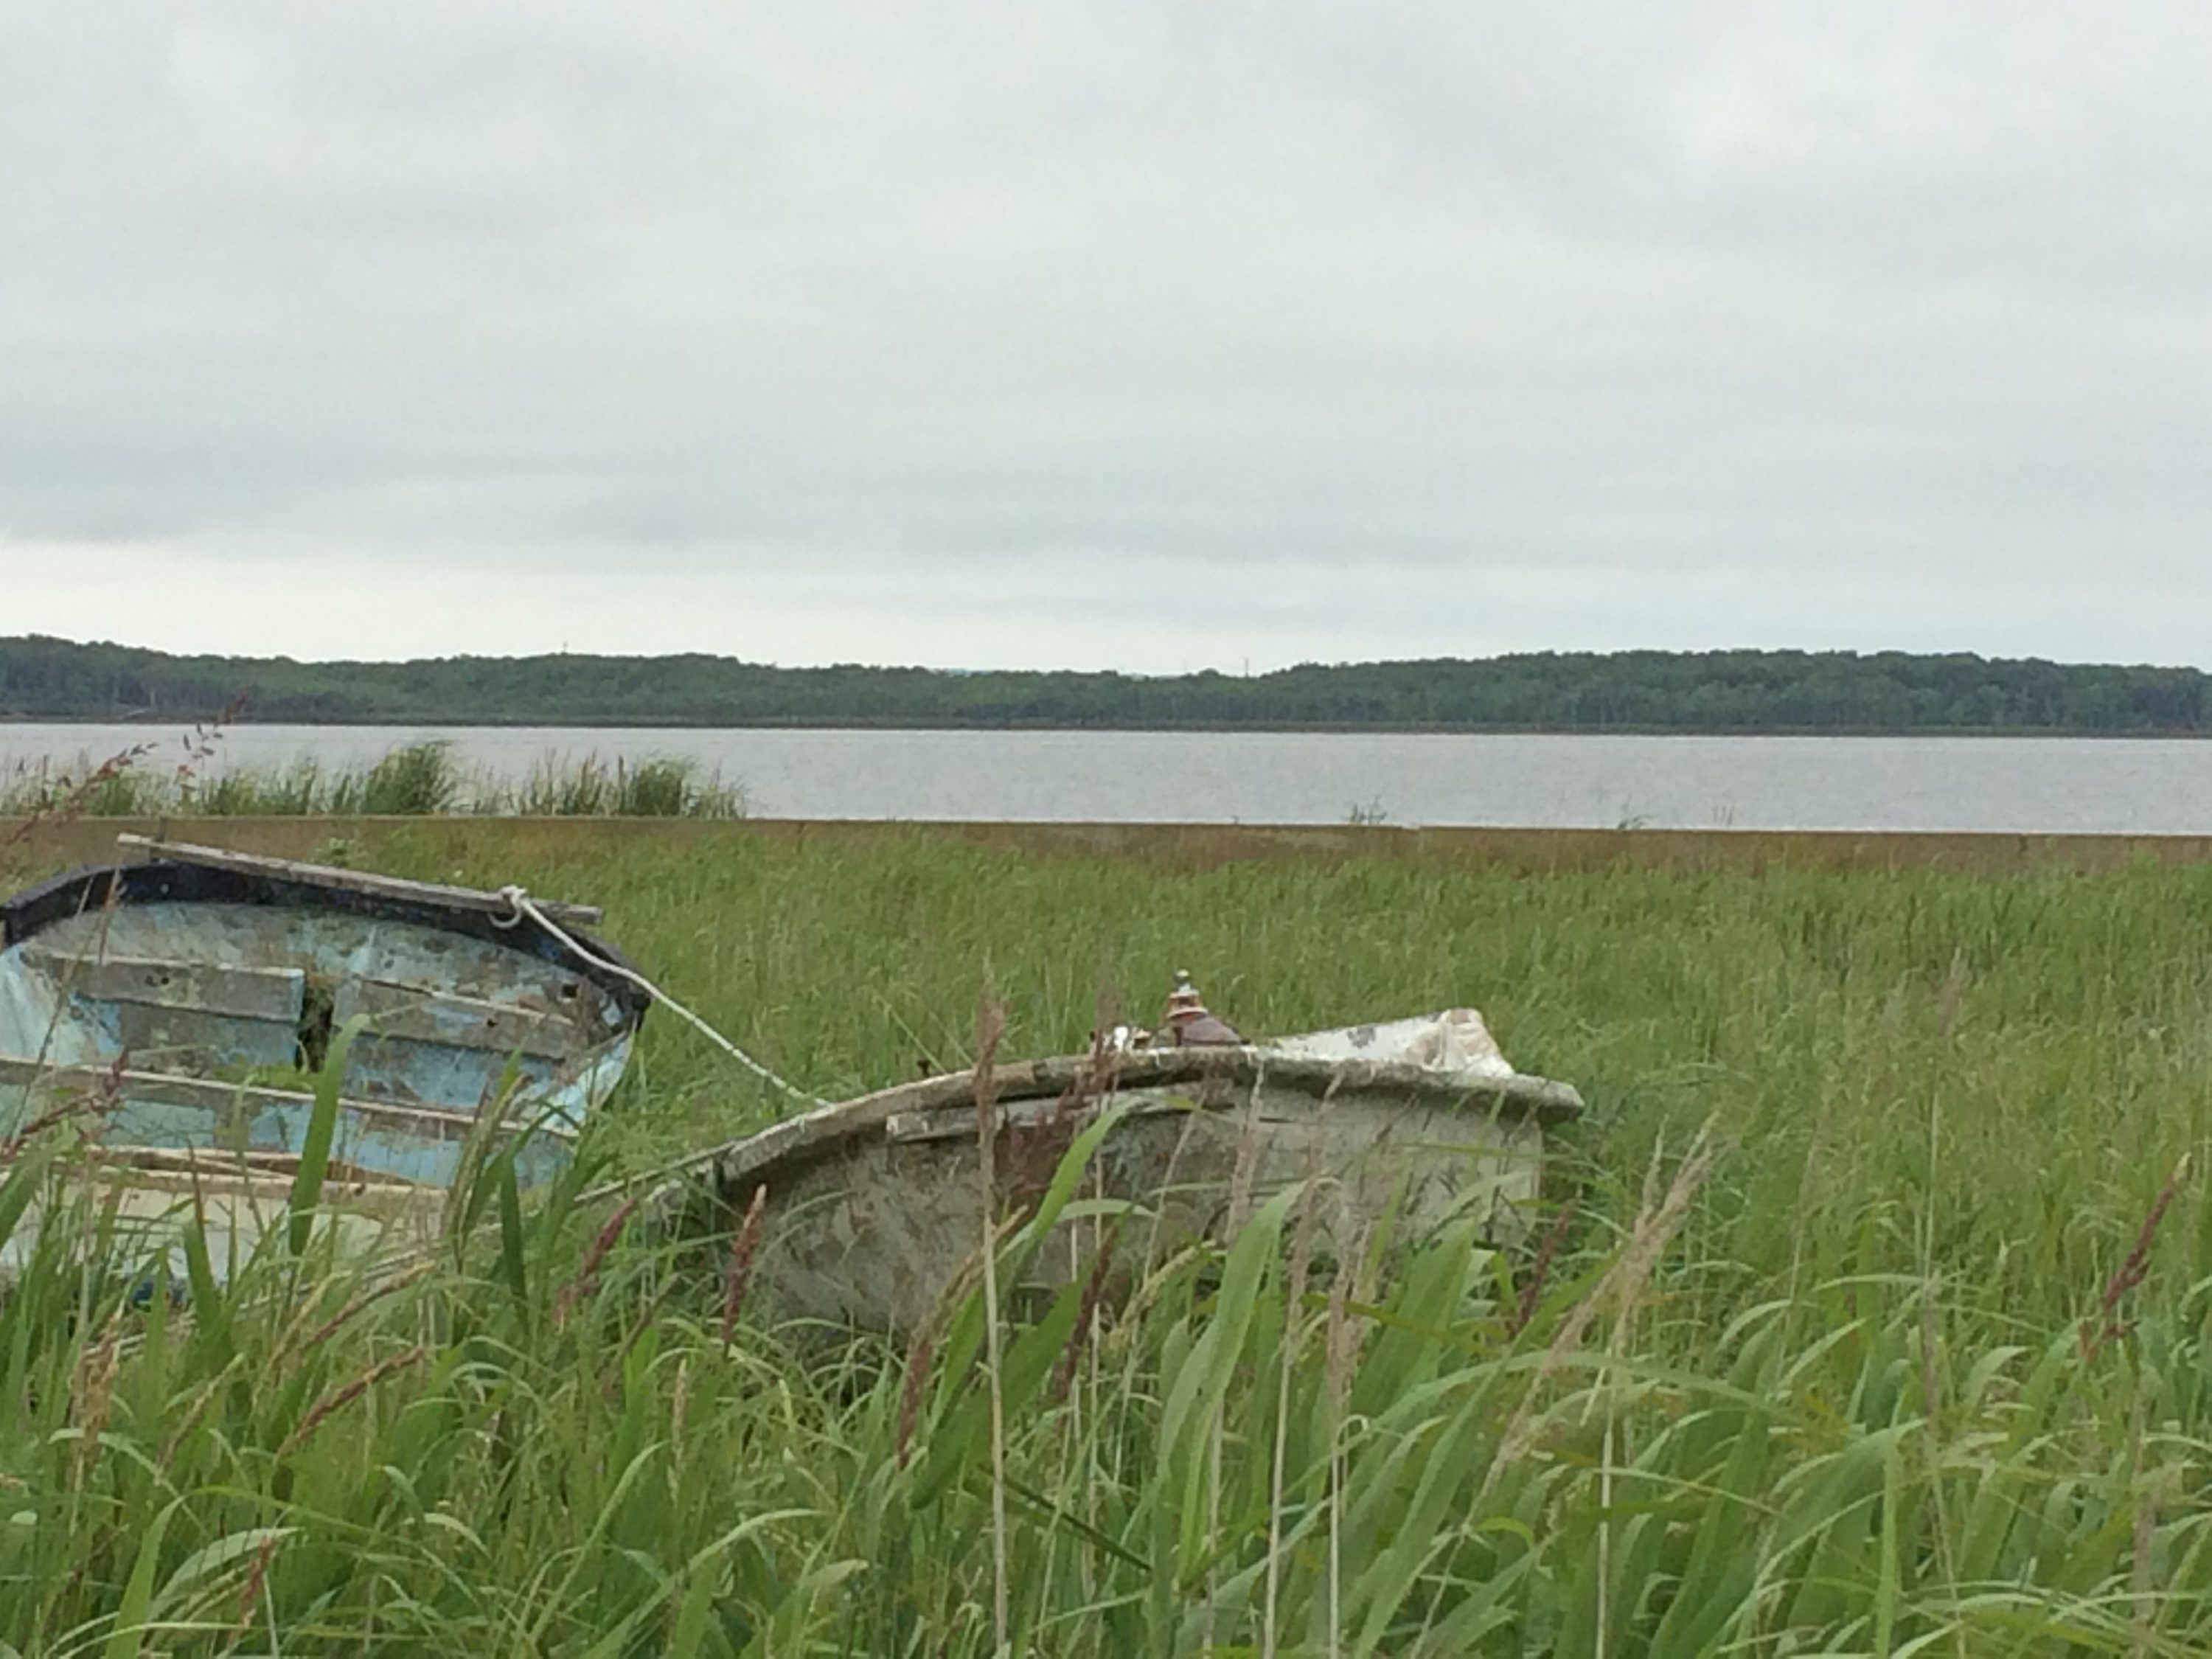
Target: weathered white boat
873,1206
181,1007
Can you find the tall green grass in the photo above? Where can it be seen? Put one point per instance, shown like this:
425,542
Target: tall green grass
1887,1362
421,779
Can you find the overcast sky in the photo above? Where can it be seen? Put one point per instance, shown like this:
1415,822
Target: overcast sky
1144,334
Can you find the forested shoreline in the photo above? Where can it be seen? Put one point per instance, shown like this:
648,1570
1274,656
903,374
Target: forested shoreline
1716,692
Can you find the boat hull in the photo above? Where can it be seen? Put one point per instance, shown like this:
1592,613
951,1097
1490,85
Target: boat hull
181,1013
873,1210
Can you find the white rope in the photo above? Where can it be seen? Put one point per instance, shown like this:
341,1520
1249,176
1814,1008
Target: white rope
523,907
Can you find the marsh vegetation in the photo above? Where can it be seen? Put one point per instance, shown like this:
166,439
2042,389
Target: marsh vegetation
422,779
1867,1312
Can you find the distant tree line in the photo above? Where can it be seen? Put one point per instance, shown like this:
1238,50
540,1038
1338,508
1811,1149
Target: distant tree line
1714,692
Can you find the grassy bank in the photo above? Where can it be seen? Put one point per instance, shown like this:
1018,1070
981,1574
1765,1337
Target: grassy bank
412,781
1893,1363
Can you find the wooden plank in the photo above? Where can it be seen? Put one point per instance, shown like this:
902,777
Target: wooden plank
263,993
219,1098
353,881
418,1015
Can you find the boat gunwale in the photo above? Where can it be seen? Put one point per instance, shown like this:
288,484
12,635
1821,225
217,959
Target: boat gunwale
91,888
813,1134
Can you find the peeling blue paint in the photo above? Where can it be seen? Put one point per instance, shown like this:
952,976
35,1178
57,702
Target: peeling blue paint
217,995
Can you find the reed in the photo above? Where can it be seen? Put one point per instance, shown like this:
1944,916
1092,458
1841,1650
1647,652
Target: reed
1908,1354
422,778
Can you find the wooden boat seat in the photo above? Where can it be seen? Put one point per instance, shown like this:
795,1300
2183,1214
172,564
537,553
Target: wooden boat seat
415,1013
275,994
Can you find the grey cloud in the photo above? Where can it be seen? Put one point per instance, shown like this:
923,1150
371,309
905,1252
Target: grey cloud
1678,326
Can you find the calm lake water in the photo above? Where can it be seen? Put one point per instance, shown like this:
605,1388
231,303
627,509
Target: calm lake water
2111,786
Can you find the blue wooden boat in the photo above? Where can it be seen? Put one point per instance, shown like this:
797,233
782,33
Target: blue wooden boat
183,1006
